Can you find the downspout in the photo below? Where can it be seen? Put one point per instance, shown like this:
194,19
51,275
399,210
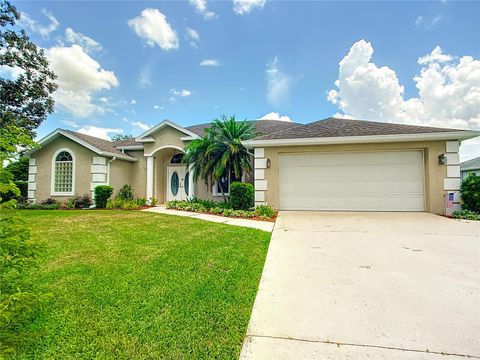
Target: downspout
108,169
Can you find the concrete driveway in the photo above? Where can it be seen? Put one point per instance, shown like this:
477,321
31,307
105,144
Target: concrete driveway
368,285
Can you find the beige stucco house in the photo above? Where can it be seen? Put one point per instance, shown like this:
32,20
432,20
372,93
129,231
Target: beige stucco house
331,164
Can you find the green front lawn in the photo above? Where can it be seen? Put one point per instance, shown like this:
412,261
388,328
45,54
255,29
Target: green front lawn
136,285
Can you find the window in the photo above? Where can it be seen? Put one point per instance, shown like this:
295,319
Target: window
176,159
225,181
63,173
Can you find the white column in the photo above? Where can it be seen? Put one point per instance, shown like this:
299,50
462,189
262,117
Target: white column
149,177
260,165
32,177
451,184
191,184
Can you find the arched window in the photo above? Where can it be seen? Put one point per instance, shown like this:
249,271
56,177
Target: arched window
176,159
63,173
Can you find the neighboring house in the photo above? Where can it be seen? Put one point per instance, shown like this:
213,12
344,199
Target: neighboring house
332,164
471,166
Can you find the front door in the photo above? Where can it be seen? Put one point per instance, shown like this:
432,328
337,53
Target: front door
177,183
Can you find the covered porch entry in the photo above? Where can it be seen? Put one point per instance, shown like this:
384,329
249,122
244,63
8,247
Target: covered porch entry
167,178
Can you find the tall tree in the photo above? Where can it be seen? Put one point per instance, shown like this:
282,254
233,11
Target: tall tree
25,101
25,95
120,137
220,152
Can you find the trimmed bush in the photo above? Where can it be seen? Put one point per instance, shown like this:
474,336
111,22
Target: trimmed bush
264,211
82,202
241,196
126,192
470,190
102,194
466,214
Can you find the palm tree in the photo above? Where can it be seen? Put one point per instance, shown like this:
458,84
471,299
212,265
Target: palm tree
220,152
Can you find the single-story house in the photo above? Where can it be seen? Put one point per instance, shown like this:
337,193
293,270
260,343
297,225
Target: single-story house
331,164
471,166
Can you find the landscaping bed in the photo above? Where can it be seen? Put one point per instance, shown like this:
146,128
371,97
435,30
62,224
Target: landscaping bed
262,212
138,285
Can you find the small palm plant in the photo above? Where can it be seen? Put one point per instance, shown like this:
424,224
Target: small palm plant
220,152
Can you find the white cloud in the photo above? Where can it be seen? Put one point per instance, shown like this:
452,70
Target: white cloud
87,43
141,125
145,77
153,26
100,132
33,25
246,6
278,83
70,123
448,90
275,116
435,56
201,7
210,62
79,77
158,107
419,20
192,36
426,22
133,102
181,93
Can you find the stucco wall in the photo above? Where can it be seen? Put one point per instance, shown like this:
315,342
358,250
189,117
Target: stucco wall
166,136
132,173
83,161
434,173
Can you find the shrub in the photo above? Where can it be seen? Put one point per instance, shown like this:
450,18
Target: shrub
470,190
216,211
265,211
70,204
126,192
153,201
19,301
102,194
82,202
241,196
466,214
141,201
228,212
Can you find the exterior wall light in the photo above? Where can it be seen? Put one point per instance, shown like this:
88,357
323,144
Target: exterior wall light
442,159
269,163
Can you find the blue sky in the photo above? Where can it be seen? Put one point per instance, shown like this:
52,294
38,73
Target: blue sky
141,61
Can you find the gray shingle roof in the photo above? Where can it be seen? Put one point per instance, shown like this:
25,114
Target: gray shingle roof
335,127
472,164
100,144
263,127
126,142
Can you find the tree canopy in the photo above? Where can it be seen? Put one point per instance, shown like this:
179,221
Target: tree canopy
26,93
220,152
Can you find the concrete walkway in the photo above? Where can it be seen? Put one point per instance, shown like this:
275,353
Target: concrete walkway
368,285
260,225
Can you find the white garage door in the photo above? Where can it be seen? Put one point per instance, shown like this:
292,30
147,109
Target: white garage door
369,181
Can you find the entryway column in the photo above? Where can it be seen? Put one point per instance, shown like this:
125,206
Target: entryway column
149,193
191,184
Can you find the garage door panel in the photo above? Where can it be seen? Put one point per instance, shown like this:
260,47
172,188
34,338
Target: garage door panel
355,203
405,171
376,181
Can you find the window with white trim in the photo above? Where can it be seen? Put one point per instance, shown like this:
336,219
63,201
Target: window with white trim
63,173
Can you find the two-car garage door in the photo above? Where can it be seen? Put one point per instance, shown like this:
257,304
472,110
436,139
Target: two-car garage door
369,181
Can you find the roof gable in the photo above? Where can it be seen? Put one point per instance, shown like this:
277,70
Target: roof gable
146,136
100,146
